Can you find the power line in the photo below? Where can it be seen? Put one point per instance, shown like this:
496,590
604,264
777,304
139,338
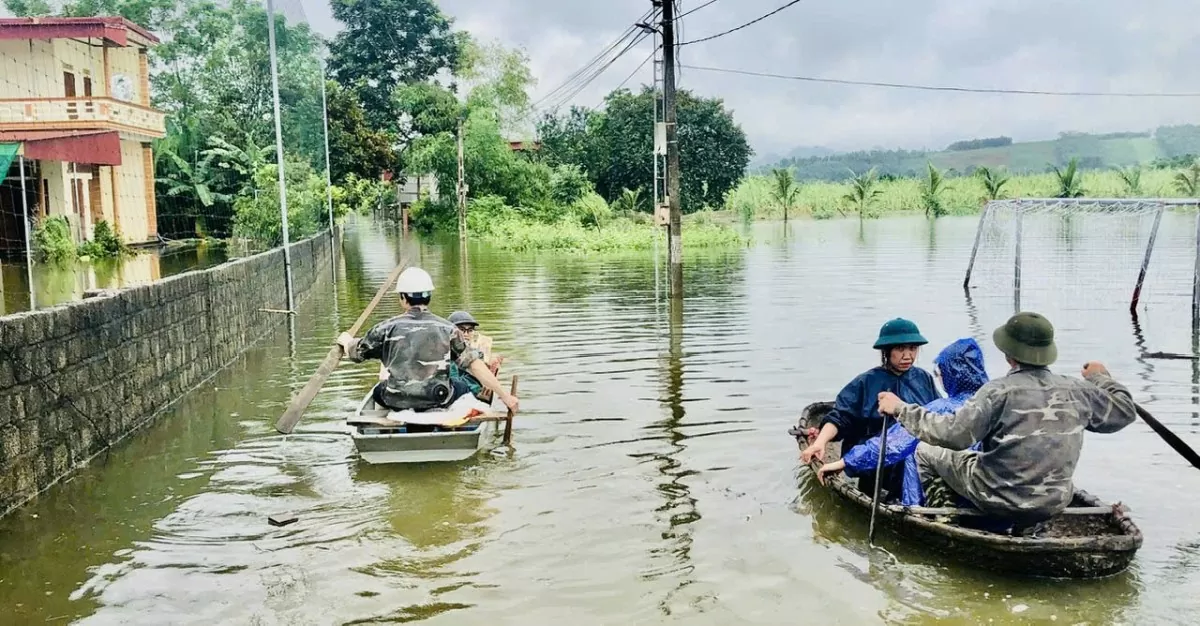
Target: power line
583,83
689,12
737,28
639,67
1028,92
574,79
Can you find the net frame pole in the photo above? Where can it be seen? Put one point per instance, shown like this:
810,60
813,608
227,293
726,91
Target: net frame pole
28,236
975,248
1196,278
1017,263
283,205
1137,289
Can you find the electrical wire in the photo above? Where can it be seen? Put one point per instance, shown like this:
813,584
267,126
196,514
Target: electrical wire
737,28
574,79
583,83
691,11
639,67
1029,92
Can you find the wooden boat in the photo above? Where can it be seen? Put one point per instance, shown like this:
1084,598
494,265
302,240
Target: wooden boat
383,440
1088,540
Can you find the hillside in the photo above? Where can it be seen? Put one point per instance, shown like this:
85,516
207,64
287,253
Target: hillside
1093,151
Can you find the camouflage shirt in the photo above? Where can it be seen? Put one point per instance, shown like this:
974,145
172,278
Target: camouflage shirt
1030,424
417,348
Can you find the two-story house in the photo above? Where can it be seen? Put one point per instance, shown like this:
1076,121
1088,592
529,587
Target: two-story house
75,98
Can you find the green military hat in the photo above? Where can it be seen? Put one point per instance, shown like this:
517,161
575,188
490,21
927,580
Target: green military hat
1027,338
899,332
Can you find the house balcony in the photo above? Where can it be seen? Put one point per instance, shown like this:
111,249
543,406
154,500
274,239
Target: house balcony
87,113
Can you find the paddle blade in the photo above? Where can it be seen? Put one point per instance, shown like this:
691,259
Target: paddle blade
287,423
1171,438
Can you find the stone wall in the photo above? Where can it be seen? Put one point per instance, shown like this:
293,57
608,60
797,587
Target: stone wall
76,378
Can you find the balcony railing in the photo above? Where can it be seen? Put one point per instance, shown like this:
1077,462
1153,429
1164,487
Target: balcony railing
80,113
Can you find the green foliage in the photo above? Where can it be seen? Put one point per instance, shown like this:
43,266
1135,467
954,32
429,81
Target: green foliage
52,240
568,184
785,190
1069,181
358,195
994,180
619,235
355,148
1187,182
257,210
1132,177
592,211
105,243
931,192
629,202
863,191
612,144
388,43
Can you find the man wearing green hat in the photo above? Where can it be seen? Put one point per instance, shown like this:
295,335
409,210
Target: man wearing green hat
1030,423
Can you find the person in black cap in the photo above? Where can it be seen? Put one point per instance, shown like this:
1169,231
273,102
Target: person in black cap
469,327
1030,422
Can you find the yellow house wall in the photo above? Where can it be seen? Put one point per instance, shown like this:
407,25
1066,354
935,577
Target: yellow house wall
29,69
81,60
131,193
125,61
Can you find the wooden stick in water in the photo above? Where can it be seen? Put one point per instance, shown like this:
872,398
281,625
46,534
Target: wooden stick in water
924,510
300,403
508,420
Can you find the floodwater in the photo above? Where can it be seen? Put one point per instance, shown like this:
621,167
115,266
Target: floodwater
653,480
56,283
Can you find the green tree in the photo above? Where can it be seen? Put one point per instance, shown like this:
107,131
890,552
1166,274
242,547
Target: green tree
1187,182
931,192
355,148
388,43
994,180
785,192
863,191
629,202
1132,178
1069,180
613,144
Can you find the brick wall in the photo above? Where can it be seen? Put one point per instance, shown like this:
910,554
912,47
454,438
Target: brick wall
76,378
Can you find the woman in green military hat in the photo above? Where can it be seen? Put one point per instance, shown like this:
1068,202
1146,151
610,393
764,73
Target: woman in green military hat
855,415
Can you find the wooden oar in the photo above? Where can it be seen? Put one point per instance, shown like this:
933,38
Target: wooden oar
1171,438
300,403
508,420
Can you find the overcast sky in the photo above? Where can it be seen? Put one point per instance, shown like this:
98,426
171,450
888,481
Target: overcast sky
1091,45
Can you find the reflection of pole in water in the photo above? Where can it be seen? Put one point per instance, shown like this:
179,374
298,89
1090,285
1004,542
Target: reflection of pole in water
1139,341
1195,370
680,506
973,317
464,273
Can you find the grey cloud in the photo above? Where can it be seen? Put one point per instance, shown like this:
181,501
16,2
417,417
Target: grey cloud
1023,44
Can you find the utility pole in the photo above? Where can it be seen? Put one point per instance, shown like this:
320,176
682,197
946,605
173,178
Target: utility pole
283,208
461,188
328,174
674,238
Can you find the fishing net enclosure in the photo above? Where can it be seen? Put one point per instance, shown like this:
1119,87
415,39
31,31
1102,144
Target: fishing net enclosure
1082,253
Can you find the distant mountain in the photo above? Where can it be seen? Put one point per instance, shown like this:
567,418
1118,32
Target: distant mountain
802,152
1094,151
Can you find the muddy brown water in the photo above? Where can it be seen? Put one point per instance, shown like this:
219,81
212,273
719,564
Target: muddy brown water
653,480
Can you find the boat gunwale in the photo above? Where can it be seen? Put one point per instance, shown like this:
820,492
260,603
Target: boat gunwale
1128,540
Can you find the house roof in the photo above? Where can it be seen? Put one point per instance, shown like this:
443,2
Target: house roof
114,31
95,147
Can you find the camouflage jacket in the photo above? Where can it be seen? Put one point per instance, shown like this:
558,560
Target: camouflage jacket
417,348
1030,424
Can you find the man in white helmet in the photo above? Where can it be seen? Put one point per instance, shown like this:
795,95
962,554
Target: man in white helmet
417,347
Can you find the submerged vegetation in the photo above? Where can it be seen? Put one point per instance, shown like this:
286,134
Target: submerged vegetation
937,194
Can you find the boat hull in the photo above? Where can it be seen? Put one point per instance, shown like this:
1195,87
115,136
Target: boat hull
1082,546
385,444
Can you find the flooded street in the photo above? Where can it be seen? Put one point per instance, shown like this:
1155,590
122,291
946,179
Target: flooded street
653,480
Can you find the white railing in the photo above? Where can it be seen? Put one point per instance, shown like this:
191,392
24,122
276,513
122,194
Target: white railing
96,112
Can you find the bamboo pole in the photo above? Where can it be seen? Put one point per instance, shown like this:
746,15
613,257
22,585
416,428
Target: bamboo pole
508,421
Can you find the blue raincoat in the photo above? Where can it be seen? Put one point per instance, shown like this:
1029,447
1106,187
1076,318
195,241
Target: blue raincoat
963,373
856,409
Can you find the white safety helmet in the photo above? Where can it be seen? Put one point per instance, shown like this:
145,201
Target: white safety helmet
414,280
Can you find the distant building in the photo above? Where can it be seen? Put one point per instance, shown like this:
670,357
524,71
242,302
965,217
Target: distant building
75,99
524,146
416,186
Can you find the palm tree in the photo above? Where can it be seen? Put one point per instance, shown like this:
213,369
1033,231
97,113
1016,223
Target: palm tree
629,202
993,180
1187,182
1132,177
931,192
862,191
785,191
1069,180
